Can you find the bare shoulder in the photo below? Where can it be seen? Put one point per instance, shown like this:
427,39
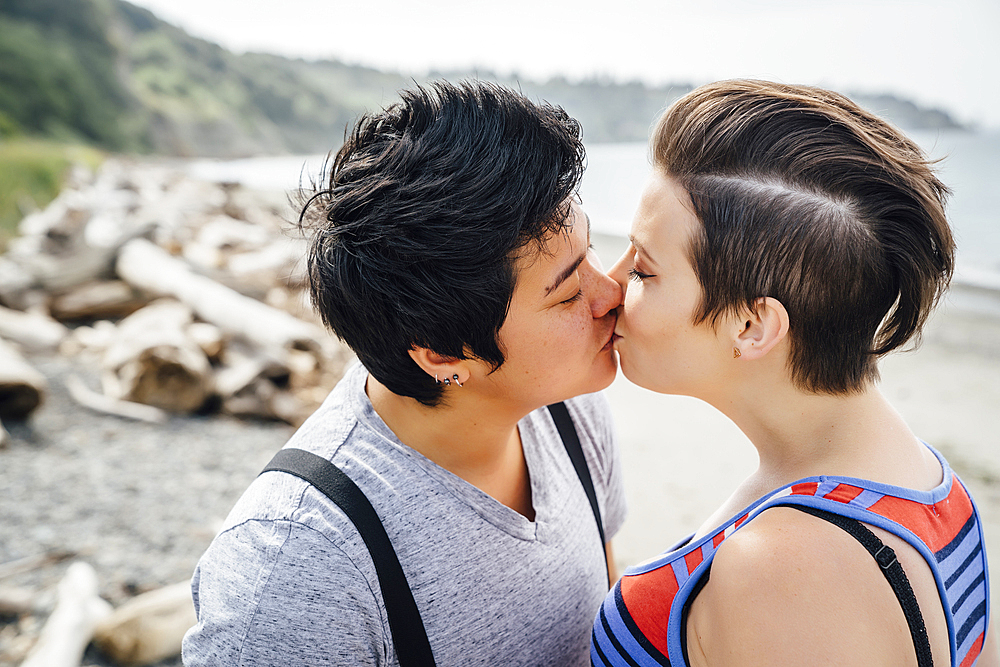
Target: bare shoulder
789,588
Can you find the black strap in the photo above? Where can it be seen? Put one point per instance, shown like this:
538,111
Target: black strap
571,441
893,572
407,628
404,618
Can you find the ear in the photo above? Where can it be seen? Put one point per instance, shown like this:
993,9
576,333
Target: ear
440,367
761,330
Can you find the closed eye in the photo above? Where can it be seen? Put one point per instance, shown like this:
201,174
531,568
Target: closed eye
574,298
636,275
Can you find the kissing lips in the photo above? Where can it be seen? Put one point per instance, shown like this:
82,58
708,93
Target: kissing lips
610,343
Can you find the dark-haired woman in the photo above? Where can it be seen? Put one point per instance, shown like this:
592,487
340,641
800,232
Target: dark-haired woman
451,255
786,240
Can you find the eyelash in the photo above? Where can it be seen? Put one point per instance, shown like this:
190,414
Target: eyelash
635,275
574,298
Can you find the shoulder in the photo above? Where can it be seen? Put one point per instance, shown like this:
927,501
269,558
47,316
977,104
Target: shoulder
592,419
789,588
262,593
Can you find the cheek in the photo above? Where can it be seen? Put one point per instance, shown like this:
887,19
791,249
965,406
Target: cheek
638,312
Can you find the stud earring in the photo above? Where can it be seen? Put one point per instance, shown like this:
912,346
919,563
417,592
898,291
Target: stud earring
455,378
447,382
736,352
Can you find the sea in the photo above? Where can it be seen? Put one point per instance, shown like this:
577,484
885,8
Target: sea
969,164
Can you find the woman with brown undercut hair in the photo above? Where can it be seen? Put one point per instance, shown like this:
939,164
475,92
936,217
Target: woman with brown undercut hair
786,241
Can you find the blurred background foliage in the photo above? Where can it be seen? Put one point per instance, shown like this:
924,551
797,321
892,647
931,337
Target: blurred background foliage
110,76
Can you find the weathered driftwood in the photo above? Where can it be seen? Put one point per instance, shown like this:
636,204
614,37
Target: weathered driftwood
243,364
148,628
16,284
29,563
219,236
282,261
92,340
153,361
106,299
16,600
147,267
71,625
32,330
209,338
254,383
112,406
72,266
22,388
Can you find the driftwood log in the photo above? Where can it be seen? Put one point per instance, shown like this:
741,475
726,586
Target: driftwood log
29,563
149,627
22,388
112,406
152,360
71,625
32,330
255,383
15,601
147,267
16,284
106,299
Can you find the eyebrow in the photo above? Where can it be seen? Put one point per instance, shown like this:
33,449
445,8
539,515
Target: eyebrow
641,248
569,270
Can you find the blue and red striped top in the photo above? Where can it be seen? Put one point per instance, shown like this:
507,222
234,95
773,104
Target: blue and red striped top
641,620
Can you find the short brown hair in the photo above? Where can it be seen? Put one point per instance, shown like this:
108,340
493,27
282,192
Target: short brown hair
807,198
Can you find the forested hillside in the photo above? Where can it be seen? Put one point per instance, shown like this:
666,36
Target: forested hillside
111,74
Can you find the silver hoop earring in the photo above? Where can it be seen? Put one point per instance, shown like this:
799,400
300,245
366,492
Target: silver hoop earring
436,381
455,378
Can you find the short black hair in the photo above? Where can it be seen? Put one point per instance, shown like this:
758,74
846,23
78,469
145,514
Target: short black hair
805,197
421,216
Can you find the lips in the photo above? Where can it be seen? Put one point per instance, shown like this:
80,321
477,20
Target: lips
612,336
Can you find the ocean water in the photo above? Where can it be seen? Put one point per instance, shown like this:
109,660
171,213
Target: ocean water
616,173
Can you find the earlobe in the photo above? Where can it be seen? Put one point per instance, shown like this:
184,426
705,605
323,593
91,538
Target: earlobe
444,370
762,329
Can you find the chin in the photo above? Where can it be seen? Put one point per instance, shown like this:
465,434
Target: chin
635,377
601,379
608,374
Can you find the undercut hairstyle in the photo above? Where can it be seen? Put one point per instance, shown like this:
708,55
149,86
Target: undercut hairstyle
421,217
805,197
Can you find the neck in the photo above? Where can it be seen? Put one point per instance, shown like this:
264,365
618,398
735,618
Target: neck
799,434
471,437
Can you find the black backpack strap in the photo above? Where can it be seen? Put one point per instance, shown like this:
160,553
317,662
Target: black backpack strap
571,441
893,572
408,633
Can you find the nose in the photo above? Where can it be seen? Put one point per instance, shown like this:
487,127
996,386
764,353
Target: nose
619,272
607,294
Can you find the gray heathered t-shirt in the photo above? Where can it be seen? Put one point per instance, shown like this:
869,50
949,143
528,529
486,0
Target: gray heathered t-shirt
289,581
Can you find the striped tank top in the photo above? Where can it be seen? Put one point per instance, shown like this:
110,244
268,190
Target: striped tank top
641,620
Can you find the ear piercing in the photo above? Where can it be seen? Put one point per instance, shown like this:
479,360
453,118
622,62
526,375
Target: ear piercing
448,381
736,352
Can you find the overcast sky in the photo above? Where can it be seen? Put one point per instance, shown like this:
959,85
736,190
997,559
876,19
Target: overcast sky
936,52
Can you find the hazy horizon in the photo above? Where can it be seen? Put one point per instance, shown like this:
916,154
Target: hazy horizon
937,56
